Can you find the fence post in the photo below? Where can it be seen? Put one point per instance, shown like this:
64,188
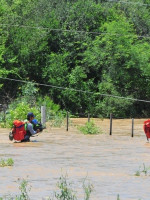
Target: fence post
110,124
88,117
4,110
43,115
132,134
67,121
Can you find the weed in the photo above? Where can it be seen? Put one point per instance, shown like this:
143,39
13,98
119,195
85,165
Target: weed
66,193
24,188
88,189
144,171
89,128
138,173
8,162
118,197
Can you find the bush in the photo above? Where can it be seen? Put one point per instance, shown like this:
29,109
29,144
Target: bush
20,107
89,128
53,111
58,119
51,108
20,113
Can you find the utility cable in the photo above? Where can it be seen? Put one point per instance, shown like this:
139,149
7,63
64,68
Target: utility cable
73,31
128,2
76,90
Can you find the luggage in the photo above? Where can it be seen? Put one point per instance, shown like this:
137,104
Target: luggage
18,130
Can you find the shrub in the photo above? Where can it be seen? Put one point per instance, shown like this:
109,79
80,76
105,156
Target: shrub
19,108
58,119
20,113
89,128
53,111
51,108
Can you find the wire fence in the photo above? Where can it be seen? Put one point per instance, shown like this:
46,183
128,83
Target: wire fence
112,126
70,123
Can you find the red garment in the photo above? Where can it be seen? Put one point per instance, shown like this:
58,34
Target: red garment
146,128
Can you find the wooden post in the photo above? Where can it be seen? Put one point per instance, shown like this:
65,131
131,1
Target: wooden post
43,115
132,134
67,121
1,107
88,117
4,110
110,124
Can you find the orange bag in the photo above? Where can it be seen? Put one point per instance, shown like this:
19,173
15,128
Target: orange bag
18,130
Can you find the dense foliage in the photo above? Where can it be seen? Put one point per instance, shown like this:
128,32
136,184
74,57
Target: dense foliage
96,46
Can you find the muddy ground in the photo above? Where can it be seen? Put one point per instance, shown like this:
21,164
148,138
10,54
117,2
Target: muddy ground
108,162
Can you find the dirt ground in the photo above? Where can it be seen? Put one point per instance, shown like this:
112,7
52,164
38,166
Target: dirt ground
109,163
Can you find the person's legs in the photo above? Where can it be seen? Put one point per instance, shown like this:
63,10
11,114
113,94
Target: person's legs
26,138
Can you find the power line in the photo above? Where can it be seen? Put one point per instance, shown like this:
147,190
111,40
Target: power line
82,31
73,31
76,90
128,2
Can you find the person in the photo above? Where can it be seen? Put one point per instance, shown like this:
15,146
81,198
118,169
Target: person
34,123
29,127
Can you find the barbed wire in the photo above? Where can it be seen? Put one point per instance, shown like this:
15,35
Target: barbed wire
76,90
